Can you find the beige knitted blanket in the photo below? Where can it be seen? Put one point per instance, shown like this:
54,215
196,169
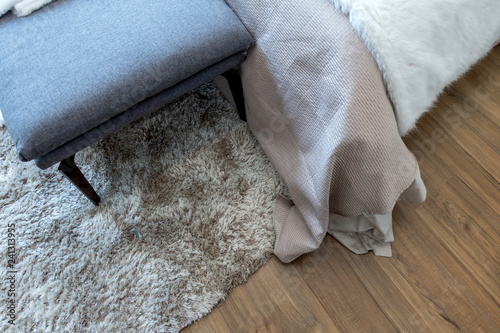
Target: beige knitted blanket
316,102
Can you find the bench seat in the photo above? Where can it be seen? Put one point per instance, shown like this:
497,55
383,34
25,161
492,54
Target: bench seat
77,71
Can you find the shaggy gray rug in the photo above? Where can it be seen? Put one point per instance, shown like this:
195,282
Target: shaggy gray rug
187,196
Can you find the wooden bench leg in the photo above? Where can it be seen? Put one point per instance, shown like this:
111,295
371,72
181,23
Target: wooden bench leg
233,78
73,173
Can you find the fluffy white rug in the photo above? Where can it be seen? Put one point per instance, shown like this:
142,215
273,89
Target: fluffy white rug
22,7
190,179
422,46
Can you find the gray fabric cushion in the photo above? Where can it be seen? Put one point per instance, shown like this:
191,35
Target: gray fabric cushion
75,64
124,118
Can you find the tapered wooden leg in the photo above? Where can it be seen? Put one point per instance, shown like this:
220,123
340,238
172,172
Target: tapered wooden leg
233,78
73,173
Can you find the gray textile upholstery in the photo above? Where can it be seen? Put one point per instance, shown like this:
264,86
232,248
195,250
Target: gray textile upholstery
77,65
136,112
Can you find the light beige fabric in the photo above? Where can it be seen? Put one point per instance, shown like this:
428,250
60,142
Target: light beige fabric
372,232
317,104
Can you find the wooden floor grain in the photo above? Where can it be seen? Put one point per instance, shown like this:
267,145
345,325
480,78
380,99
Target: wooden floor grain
444,275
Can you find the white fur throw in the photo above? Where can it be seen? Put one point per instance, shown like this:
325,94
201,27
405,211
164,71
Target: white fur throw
422,46
6,5
22,7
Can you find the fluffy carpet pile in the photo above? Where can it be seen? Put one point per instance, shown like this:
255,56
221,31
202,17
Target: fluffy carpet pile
186,215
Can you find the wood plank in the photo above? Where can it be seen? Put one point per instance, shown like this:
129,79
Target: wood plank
458,231
436,272
446,159
276,299
340,291
485,127
392,298
471,143
213,322
458,199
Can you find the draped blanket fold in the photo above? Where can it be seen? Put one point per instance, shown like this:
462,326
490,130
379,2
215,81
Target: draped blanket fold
332,85
317,104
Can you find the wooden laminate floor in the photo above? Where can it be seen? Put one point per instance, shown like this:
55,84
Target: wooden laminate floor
444,275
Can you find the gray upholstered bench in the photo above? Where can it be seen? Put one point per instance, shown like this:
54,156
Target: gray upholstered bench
76,71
